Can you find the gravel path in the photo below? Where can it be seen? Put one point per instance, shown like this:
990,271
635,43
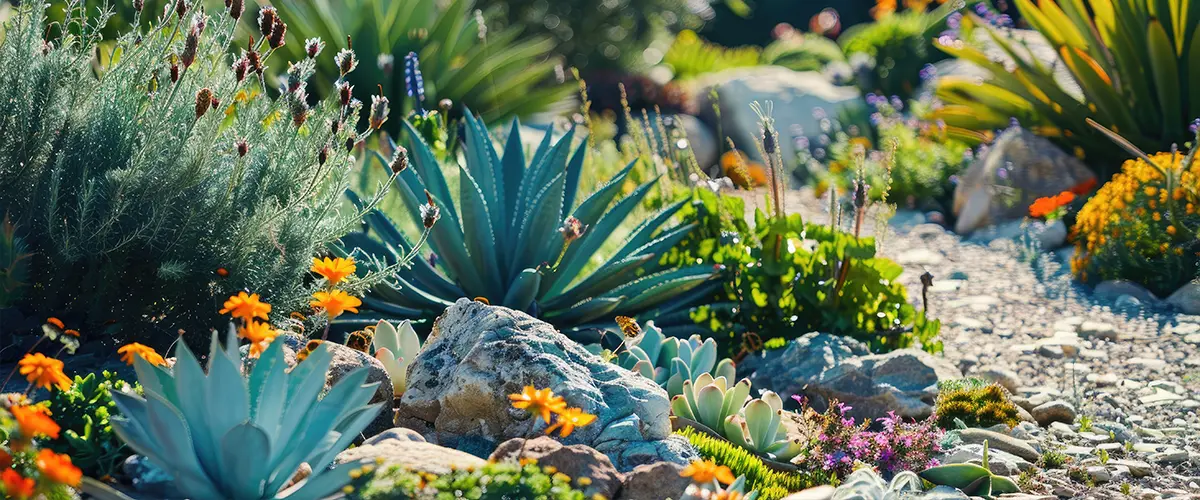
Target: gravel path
1024,322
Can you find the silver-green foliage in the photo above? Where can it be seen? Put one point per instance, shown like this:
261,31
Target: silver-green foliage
866,484
670,361
138,208
503,236
714,490
224,435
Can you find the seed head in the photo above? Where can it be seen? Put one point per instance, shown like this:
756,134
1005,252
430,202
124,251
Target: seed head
386,63
204,99
278,34
299,107
429,212
860,192
181,8
254,59
242,147
313,47
345,60
399,160
236,8
323,155
335,126
345,92
240,67
768,140
445,105
379,110
572,229
266,20
351,140
174,72
138,5
190,44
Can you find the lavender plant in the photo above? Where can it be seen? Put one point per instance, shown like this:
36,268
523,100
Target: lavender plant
842,442
152,181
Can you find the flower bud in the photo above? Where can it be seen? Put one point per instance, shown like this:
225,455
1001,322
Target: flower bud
190,44
266,20
345,60
379,110
278,34
299,108
204,99
236,8
429,212
174,72
181,8
240,67
445,105
345,93
138,5
255,61
351,140
313,47
768,140
572,229
399,160
323,155
242,147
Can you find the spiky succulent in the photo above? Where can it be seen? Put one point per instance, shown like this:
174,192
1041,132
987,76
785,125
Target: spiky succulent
522,234
670,361
222,434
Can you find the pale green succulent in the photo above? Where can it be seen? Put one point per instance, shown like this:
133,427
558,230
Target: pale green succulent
974,480
707,491
670,362
759,428
225,435
710,400
396,347
866,484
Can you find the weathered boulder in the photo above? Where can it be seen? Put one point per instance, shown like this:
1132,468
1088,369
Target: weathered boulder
1016,170
656,481
400,447
478,355
576,461
825,367
1054,411
1187,298
801,100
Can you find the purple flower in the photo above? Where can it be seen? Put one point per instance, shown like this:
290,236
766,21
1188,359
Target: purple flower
842,408
1195,125
800,399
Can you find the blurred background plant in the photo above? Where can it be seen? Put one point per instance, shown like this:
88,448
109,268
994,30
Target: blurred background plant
1131,64
493,481
149,188
889,54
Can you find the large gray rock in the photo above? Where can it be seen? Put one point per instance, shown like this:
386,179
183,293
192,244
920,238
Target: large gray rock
1016,170
478,355
656,481
795,96
1187,298
397,447
825,367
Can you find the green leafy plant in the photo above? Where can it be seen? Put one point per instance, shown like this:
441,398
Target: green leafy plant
152,186
709,401
499,73
493,481
974,480
975,404
691,56
396,346
897,47
83,412
670,361
14,263
597,36
1102,455
802,52
771,484
1134,63
1085,423
222,434
1126,488
1053,458
522,235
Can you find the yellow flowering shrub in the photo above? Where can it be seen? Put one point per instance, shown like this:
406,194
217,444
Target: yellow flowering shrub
1141,225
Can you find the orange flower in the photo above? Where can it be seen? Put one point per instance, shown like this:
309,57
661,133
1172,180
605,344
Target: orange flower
128,351
1064,198
538,402
56,322
58,468
259,334
246,306
1042,207
73,333
334,270
44,372
34,422
704,471
567,420
335,303
16,486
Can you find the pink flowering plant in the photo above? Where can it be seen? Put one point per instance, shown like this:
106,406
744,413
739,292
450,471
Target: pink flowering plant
842,444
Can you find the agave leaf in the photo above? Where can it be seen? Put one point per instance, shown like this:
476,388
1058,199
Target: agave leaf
523,290
194,406
350,428
268,390
542,220
170,432
244,451
225,384
959,476
587,310
477,226
574,171
1165,70
602,279
513,165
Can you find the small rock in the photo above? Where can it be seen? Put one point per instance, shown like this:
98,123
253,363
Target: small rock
396,448
1173,456
1099,474
1160,396
1002,442
1113,289
1098,330
1054,411
999,460
576,461
1137,468
656,480
1152,364
919,256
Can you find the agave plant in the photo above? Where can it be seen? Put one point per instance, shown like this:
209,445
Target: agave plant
710,400
1135,63
759,428
866,484
670,362
498,73
396,347
974,480
518,235
225,435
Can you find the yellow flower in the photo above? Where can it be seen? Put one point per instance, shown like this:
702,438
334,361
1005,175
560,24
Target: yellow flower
705,471
567,420
538,402
44,372
335,303
246,306
334,270
128,351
